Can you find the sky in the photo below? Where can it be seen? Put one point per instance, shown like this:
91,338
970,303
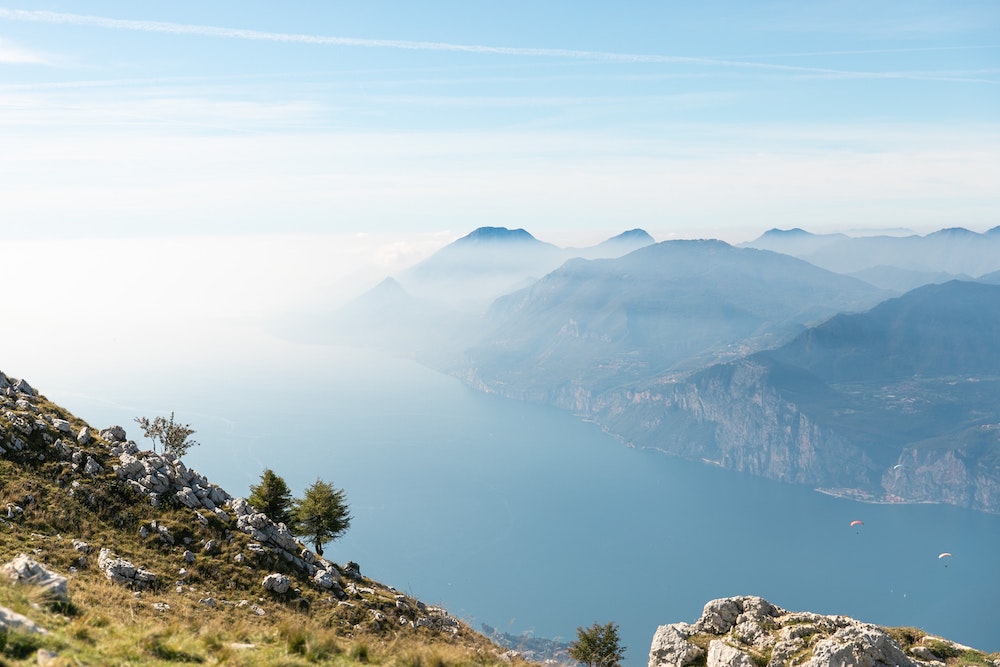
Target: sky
242,156
577,119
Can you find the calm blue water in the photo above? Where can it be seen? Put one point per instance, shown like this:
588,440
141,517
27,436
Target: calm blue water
528,519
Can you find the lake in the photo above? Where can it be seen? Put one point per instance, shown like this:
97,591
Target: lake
531,520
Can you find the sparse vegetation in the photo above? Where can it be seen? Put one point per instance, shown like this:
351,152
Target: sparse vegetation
272,497
321,514
211,611
174,438
598,646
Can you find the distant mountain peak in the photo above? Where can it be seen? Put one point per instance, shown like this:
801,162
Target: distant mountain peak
795,231
388,286
953,232
496,234
633,236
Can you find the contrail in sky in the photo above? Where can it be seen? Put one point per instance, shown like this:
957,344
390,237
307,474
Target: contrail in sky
167,27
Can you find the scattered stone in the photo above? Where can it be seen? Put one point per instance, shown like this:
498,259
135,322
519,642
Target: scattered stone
122,571
22,387
45,657
92,467
276,583
113,434
24,570
161,606
11,620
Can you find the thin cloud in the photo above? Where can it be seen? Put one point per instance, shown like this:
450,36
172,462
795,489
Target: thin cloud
166,27
12,54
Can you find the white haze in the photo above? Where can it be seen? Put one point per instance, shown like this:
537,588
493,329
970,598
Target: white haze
89,307
132,307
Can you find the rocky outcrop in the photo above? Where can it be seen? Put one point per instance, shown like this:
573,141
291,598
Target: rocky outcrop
122,571
749,631
155,475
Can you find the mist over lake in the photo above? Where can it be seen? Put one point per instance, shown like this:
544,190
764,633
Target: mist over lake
529,519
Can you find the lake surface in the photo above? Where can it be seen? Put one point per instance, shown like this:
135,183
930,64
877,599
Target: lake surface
530,520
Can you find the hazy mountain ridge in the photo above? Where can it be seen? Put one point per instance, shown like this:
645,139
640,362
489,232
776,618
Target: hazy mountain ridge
672,307
947,253
490,261
434,310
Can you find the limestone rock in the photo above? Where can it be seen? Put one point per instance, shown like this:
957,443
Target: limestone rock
22,387
11,620
277,583
722,654
24,570
671,646
122,571
742,631
858,644
113,434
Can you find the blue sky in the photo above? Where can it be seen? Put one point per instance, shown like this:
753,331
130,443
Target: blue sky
574,120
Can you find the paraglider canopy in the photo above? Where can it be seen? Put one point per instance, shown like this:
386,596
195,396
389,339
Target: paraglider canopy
945,555
857,522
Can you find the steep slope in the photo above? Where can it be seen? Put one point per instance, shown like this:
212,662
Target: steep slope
894,404
164,567
671,307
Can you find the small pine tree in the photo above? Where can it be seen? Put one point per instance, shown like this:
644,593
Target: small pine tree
598,646
321,514
172,436
272,497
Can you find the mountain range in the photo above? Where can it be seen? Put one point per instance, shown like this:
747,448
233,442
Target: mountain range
899,262
775,357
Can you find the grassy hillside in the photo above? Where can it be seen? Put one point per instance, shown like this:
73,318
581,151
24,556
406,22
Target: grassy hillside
207,604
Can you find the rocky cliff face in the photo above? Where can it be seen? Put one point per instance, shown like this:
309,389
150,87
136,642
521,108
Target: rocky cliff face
749,426
751,632
736,418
